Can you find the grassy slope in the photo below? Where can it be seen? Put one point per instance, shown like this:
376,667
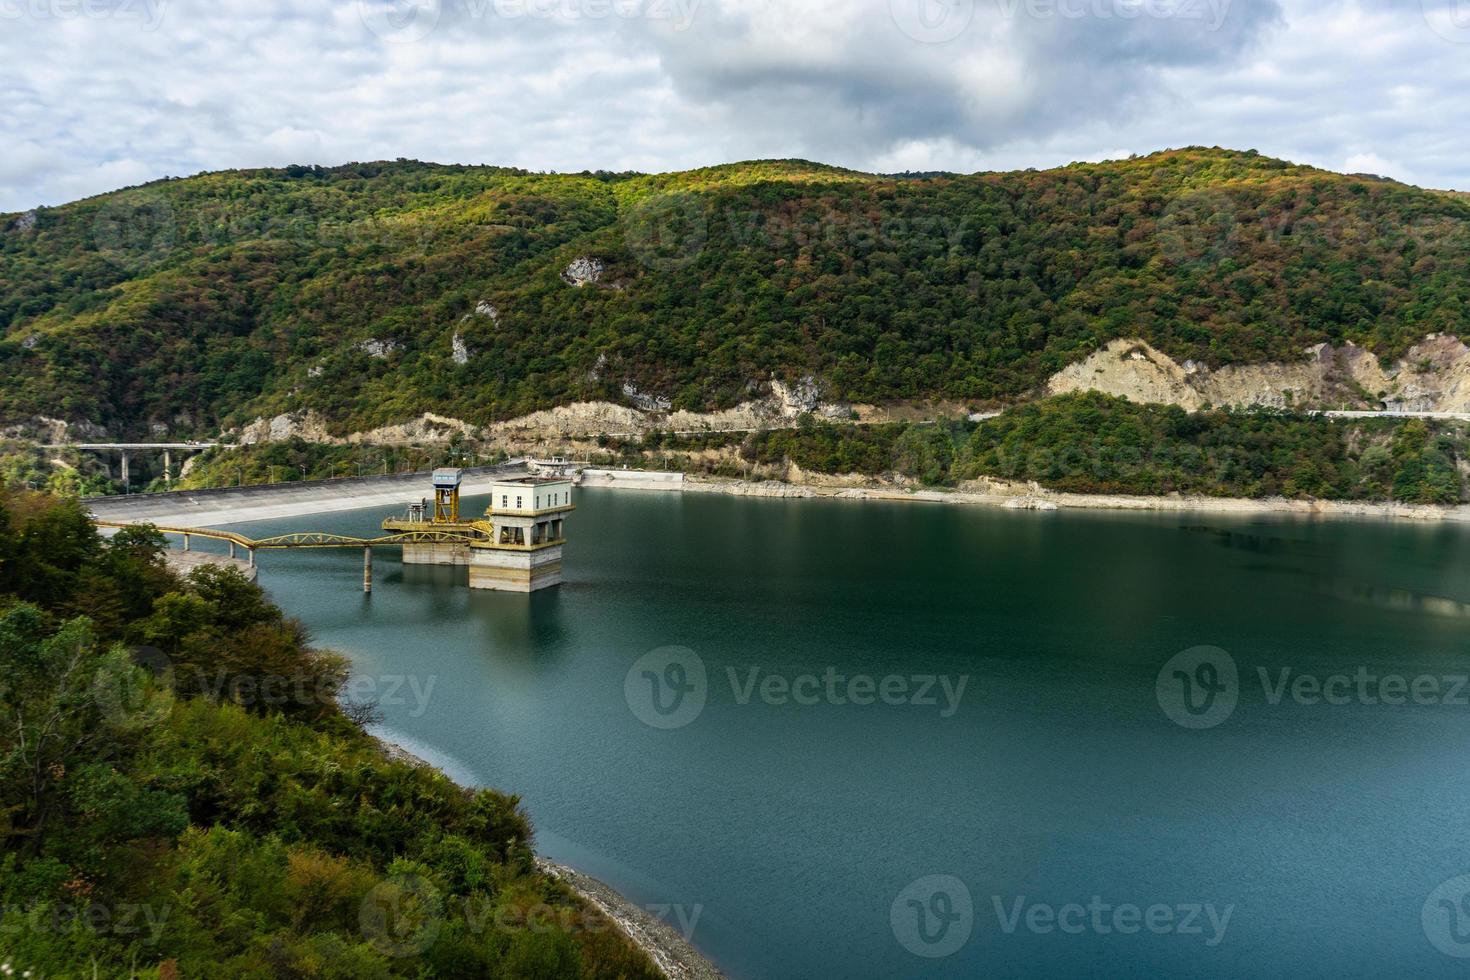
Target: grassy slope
202,302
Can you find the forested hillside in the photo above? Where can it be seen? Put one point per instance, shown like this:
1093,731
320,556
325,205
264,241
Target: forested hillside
181,794
372,293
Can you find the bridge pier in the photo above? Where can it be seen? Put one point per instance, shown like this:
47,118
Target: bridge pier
367,571
126,479
186,542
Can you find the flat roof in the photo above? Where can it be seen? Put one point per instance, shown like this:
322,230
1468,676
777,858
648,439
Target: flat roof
532,481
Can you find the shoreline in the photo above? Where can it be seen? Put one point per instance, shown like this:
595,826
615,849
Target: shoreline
674,955
239,506
1010,496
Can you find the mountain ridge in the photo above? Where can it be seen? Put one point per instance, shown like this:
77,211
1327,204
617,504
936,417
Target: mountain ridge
375,293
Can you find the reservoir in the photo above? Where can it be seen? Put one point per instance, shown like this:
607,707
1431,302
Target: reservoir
863,739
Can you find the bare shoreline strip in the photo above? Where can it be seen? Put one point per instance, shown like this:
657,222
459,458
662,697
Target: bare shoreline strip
1024,497
673,954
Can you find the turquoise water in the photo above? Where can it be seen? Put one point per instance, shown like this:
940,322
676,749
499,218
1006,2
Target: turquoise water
804,839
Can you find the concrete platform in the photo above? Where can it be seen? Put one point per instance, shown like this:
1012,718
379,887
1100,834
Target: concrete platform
239,505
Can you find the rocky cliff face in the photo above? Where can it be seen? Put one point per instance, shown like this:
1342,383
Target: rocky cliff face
56,431
1433,377
428,429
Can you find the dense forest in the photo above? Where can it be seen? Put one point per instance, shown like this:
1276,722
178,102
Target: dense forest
1093,443
372,293
182,794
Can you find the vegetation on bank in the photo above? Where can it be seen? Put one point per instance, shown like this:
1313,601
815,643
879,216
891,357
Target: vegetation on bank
26,466
201,303
1083,443
182,796
1093,443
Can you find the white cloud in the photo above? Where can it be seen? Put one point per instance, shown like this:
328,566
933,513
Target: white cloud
94,103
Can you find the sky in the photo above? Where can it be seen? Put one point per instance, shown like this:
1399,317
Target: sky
102,94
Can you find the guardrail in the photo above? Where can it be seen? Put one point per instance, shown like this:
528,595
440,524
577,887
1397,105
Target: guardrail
305,485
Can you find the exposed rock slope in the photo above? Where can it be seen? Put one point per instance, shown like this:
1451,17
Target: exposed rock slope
1433,377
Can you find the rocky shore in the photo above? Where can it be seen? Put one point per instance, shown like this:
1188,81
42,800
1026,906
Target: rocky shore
670,951
1017,496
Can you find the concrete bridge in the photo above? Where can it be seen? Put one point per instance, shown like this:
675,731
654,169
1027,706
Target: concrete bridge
189,514
314,540
124,449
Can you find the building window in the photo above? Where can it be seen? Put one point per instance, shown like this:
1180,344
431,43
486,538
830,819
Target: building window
520,503
504,501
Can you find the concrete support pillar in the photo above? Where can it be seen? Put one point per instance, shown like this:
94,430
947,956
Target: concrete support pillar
367,571
232,549
126,479
252,557
186,542
168,468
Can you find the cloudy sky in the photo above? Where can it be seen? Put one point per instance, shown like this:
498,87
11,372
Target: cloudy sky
107,93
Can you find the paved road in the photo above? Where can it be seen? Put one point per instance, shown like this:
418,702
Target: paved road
130,445
1442,416
237,505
